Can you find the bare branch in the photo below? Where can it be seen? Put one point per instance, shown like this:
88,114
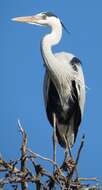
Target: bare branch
23,155
19,171
87,179
35,155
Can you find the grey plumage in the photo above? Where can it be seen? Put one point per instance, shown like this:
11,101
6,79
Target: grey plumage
64,85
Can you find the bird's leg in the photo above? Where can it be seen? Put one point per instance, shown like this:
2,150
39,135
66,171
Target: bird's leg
69,162
67,150
54,140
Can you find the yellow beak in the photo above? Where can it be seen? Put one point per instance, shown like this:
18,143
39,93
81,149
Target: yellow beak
27,19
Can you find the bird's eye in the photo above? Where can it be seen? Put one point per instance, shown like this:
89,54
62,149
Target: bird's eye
44,16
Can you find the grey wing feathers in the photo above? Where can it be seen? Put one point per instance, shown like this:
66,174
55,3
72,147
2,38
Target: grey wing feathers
46,87
68,120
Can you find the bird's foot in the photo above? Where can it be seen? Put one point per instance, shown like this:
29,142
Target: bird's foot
68,165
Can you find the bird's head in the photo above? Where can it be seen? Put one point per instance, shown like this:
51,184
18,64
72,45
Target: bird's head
42,19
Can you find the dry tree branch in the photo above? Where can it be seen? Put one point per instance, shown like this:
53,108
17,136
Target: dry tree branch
19,171
8,166
23,155
87,179
35,155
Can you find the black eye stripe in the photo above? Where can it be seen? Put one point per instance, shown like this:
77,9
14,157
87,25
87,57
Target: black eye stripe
49,14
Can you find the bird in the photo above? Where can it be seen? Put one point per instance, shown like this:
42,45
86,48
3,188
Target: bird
64,83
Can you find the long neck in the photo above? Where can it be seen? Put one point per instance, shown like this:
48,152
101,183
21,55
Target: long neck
48,41
52,38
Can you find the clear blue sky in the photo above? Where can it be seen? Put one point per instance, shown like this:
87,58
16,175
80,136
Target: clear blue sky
22,73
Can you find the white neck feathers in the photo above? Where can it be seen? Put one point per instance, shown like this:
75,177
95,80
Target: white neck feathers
48,41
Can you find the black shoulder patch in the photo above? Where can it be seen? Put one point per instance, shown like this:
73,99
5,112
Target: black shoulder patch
74,62
49,14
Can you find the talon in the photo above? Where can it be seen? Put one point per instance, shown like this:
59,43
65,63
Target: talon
70,164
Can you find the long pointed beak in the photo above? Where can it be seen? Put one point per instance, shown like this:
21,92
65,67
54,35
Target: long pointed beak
27,19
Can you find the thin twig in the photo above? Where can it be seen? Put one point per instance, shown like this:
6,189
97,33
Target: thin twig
80,148
8,166
42,171
87,179
16,180
23,154
35,155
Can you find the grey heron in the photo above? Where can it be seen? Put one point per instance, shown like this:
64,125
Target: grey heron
64,85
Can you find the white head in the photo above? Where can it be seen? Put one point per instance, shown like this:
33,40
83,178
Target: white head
44,18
